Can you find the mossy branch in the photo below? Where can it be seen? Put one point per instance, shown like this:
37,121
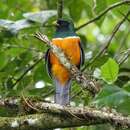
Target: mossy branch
56,116
125,2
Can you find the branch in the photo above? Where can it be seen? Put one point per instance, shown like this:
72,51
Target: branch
26,71
105,47
59,8
122,43
57,116
27,48
82,79
104,12
124,57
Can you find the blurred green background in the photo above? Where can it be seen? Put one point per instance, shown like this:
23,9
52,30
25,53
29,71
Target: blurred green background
22,64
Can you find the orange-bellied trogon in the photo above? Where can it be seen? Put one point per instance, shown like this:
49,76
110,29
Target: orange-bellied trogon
66,39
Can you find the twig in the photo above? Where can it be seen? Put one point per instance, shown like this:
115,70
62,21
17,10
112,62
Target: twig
76,94
51,91
124,16
104,12
105,47
28,103
59,8
27,48
124,57
123,40
82,79
26,71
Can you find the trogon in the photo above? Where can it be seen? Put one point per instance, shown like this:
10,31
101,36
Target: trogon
66,39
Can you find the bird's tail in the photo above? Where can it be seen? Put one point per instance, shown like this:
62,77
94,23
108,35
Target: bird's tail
62,93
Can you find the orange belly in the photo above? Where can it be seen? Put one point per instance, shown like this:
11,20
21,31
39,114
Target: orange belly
71,48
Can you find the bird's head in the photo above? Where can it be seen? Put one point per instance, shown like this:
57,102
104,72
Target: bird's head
65,26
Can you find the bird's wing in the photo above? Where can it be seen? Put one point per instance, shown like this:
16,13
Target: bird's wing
82,57
47,61
82,54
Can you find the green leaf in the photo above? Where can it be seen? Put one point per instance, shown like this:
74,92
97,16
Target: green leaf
25,82
41,92
115,97
40,17
99,61
127,86
3,60
9,83
99,6
90,3
109,71
88,10
40,73
110,2
13,52
76,9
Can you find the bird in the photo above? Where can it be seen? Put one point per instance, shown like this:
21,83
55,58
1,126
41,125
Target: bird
65,38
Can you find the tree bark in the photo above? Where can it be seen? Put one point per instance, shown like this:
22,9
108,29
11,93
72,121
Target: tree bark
50,116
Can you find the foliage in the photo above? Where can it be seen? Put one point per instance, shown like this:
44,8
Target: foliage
109,71
19,50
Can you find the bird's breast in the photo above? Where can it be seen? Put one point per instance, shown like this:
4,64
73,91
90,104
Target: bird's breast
71,48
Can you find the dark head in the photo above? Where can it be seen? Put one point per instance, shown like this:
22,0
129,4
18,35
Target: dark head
64,28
